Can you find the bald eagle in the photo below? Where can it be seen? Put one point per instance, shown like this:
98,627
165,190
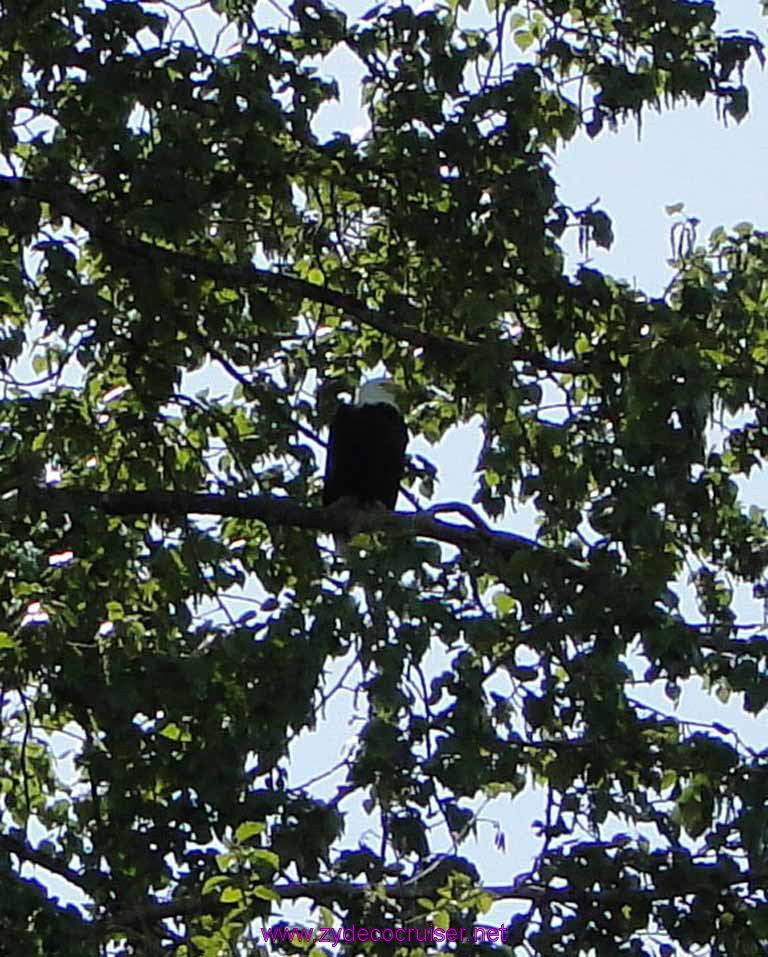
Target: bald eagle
366,448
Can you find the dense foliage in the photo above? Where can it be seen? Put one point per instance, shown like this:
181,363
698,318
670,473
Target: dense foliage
192,270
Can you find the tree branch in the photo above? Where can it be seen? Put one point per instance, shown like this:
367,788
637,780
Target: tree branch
525,889
340,518
344,519
14,845
78,207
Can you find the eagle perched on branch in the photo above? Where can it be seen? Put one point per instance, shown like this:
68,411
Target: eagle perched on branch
366,448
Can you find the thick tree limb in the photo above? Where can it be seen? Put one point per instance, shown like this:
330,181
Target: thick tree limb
323,892
343,519
336,519
49,862
78,207
704,876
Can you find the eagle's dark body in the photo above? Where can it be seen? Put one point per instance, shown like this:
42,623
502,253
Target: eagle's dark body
366,454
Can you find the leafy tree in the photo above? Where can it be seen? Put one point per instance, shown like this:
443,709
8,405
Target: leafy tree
171,206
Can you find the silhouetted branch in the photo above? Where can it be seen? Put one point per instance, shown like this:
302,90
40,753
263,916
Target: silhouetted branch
344,519
78,207
702,878
22,850
340,518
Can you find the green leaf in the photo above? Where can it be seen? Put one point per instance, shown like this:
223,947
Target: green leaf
266,893
231,895
504,603
247,830
523,39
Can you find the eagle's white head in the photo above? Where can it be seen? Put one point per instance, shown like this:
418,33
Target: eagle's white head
377,391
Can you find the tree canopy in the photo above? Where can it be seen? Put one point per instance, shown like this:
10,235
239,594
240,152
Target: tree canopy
193,271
